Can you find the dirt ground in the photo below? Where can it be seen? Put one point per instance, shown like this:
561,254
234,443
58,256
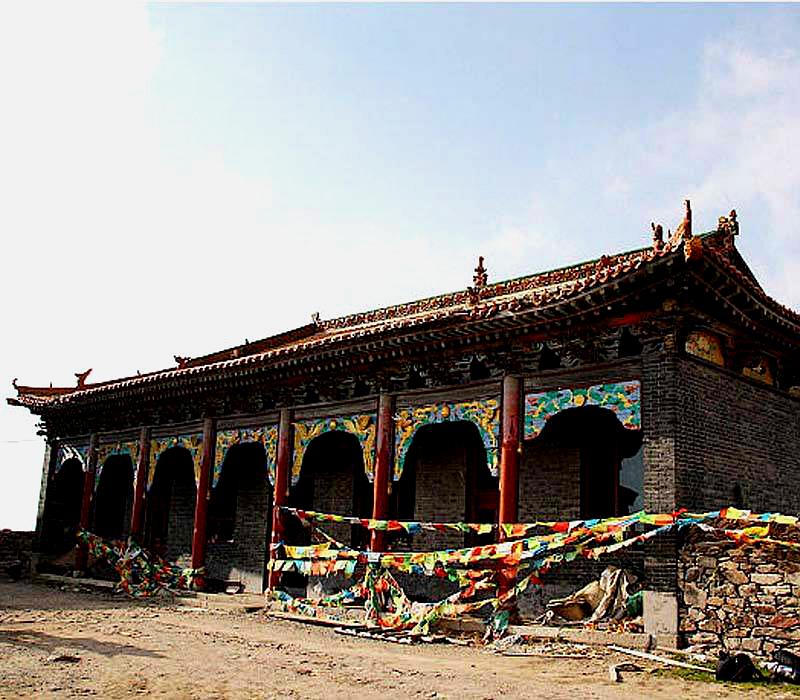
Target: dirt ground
56,643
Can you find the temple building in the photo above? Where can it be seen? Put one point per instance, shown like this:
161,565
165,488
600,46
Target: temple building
659,378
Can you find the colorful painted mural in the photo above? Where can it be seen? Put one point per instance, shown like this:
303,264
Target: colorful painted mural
361,425
67,451
623,398
267,436
705,345
192,442
130,448
483,413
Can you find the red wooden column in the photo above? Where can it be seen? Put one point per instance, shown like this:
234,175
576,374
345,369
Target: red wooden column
283,463
203,495
510,450
142,470
81,551
383,468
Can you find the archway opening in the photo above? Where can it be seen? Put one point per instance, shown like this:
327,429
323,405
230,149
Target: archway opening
446,478
169,515
113,499
332,480
63,509
238,525
584,464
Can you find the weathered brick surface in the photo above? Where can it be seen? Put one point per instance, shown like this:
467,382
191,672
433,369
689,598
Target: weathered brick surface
243,557
549,483
738,442
181,522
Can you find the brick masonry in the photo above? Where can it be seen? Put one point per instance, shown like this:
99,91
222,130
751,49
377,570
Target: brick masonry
738,442
549,483
243,557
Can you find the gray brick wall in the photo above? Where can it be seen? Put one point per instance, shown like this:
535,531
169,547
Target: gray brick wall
738,441
549,482
243,558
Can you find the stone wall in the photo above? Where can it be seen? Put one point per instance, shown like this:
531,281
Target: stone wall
739,597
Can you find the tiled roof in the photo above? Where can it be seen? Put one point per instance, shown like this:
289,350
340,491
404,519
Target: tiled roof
516,295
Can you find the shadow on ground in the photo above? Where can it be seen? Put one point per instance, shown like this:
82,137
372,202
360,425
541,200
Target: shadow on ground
49,644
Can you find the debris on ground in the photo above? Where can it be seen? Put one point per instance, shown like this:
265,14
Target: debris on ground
660,658
615,670
523,645
610,598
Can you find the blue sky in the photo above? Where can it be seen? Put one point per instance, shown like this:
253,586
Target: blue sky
264,162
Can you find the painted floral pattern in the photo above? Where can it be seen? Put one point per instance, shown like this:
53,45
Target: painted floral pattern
67,451
706,346
192,442
267,436
483,413
130,448
623,398
361,425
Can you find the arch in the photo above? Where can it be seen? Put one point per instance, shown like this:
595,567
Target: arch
226,439
191,442
622,398
170,504
68,451
239,518
483,413
333,480
131,449
63,506
446,480
583,464
361,425
113,499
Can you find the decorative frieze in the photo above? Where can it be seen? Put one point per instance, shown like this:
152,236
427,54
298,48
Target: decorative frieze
266,436
483,413
361,425
67,451
707,346
623,398
128,447
193,442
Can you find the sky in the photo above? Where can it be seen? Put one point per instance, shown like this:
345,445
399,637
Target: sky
177,178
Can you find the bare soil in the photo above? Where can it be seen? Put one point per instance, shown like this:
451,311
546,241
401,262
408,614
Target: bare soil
57,643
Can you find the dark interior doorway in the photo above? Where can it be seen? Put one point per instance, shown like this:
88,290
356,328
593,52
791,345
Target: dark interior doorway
113,499
332,480
63,508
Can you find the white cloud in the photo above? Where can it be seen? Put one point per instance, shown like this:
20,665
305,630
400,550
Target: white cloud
113,256
733,142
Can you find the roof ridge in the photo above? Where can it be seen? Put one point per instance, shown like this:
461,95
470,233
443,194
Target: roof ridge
462,295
